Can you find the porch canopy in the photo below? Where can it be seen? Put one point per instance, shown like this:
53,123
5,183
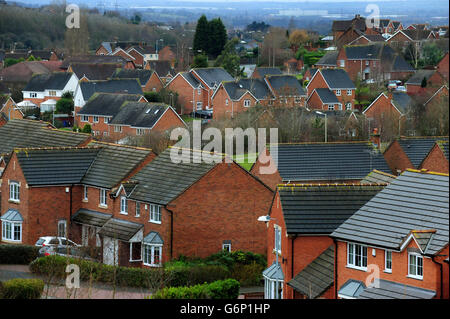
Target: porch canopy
120,229
90,217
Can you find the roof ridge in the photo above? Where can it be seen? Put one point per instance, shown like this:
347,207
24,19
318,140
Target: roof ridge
425,171
123,145
50,148
383,173
335,142
306,185
200,151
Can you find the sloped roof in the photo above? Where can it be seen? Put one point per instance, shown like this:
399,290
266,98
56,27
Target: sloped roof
234,90
52,81
310,209
285,85
416,78
41,54
162,68
326,96
213,76
274,272
12,215
120,229
258,87
136,114
153,238
113,163
107,104
329,59
192,80
400,64
327,161
124,86
342,25
263,71
374,37
444,147
415,200
142,75
19,133
364,52
23,71
337,79
55,166
93,59
317,277
90,217
378,177
394,290
416,34
402,101
417,148
94,71
162,180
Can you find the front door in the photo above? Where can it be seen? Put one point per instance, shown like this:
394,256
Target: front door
110,251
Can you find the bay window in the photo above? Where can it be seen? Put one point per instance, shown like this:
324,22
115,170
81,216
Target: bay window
11,231
152,255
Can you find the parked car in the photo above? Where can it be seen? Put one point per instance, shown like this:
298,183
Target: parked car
54,241
66,251
401,89
392,84
204,114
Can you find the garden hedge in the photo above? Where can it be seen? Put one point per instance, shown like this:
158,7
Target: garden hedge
18,254
20,288
221,289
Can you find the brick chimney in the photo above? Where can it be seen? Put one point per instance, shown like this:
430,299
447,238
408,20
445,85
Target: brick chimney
375,138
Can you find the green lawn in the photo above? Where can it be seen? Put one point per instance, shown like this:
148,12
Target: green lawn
245,161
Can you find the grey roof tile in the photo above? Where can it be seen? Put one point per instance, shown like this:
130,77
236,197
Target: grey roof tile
286,85
417,148
263,71
337,79
50,81
413,201
393,290
213,76
142,75
136,114
326,96
329,59
124,86
107,104
120,229
90,217
417,78
378,177
94,71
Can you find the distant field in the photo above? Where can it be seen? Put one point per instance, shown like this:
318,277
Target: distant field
246,160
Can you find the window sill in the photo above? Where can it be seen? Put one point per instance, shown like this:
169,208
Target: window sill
387,271
84,200
414,277
123,213
13,201
137,260
154,265
10,241
154,222
103,206
356,268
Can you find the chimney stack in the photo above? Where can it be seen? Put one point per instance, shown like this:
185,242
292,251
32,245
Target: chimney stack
375,138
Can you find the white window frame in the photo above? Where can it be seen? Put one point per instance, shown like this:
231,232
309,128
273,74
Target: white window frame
338,92
138,210
52,93
247,103
62,222
297,99
349,92
367,62
417,257
95,119
106,120
199,91
352,258
14,192
277,243
271,289
118,128
84,118
342,63
9,232
155,213
123,205
33,95
199,105
140,131
103,198
387,261
330,107
226,247
348,106
226,101
131,252
85,193
148,255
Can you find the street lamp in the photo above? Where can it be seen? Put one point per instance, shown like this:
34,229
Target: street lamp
320,113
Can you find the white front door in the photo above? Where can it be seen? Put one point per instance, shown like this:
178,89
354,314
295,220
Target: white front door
110,251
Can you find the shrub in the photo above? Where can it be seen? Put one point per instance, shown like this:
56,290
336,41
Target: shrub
18,254
220,289
198,274
20,288
248,275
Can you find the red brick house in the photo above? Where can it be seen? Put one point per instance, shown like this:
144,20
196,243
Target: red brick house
298,244
93,71
443,67
437,159
388,250
261,72
166,54
411,36
9,108
286,90
337,83
434,79
196,88
149,80
410,152
164,69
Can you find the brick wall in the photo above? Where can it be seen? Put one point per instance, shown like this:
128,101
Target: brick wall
234,107
396,158
153,84
435,161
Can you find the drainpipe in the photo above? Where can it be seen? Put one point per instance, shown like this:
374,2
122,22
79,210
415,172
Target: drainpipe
441,275
171,233
335,269
70,212
292,258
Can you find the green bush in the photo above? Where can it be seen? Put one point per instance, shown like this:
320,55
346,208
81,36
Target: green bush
198,274
20,288
248,275
220,289
18,254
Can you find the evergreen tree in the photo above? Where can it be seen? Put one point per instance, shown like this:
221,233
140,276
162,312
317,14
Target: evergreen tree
217,37
201,40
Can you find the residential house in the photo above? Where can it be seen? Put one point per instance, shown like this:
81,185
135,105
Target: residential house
9,108
164,69
233,97
339,27
142,55
309,73
196,88
97,59
328,61
390,108
378,177
93,71
365,39
416,85
149,80
19,74
44,90
107,48
401,235
100,110
299,250
261,72
334,82
437,159
166,54
293,66
439,97
411,36
410,152
443,67
375,62
286,90
85,90
317,163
